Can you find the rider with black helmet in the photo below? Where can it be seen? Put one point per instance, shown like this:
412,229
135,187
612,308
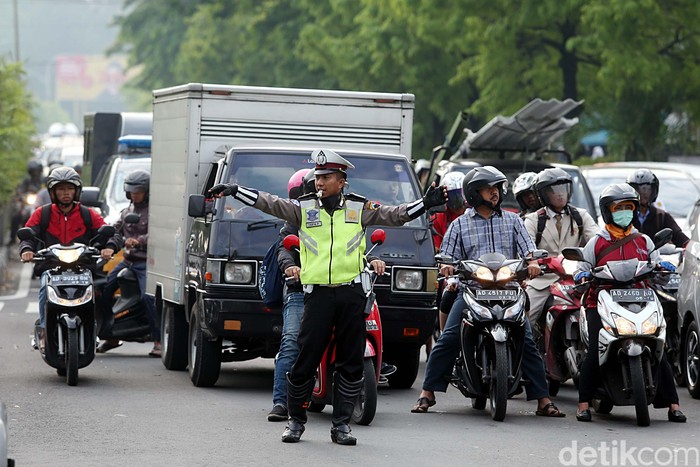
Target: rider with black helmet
553,227
484,228
32,183
64,221
650,219
133,237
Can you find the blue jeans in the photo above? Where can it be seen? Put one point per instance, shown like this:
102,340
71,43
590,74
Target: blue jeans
289,349
442,358
42,299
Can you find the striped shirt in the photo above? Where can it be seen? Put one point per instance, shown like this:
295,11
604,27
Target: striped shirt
471,236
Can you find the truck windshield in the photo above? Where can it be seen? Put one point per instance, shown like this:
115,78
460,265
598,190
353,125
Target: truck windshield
382,179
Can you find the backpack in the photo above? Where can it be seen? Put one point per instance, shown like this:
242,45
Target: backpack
46,217
542,220
271,283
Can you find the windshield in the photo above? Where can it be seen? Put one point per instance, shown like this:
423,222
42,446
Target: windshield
384,180
121,169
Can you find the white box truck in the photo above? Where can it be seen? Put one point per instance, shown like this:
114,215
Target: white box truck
203,269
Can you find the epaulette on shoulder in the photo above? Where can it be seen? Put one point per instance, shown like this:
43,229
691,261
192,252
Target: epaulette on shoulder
356,197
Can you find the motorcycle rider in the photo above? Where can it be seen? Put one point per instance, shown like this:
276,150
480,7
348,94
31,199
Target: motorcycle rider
553,227
332,233
484,228
32,183
63,221
299,183
651,219
619,204
524,192
134,239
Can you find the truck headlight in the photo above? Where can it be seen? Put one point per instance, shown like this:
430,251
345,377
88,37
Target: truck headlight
409,279
238,273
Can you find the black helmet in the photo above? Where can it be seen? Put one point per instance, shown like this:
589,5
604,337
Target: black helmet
63,175
482,177
549,177
616,193
137,181
645,177
524,183
34,166
309,183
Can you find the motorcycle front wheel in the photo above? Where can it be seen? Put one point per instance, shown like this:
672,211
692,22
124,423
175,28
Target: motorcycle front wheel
366,405
498,391
639,393
72,354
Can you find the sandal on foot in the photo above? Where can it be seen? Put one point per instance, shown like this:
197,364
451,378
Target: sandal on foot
108,345
422,405
550,410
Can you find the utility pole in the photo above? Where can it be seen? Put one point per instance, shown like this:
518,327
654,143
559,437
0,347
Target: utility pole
16,21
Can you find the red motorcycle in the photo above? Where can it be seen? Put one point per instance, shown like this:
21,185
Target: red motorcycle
366,405
562,346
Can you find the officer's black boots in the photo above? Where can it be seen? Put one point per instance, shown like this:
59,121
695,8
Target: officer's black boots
345,394
297,402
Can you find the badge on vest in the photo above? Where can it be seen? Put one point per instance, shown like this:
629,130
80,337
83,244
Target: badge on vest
312,218
352,216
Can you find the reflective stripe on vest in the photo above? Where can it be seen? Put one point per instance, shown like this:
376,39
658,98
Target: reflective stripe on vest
331,248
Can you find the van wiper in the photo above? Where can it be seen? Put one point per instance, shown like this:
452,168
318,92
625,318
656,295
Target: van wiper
263,224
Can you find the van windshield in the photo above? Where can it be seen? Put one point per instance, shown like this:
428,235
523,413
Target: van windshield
386,180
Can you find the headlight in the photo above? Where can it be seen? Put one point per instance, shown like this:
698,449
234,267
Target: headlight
504,274
483,274
650,325
30,198
238,273
68,256
624,326
409,279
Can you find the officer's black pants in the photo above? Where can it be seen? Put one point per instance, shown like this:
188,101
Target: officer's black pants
325,309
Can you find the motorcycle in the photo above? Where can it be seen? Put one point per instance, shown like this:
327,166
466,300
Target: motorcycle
562,348
322,395
126,318
631,341
70,304
492,330
666,289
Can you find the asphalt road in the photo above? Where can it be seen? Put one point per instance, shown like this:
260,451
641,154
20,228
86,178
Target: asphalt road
129,410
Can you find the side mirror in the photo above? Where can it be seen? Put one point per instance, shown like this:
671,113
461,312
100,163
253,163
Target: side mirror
196,206
378,237
132,218
573,254
25,233
106,231
89,196
291,242
662,237
444,259
540,254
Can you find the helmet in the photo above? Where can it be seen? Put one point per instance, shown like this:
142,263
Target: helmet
645,177
309,183
455,196
616,193
63,175
481,177
296,183
137,181
34,166
524,183
548,178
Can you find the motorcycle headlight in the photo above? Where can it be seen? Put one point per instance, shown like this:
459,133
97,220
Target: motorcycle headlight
68,256
651,324
30,198
483,274
504,274
624,326
409,279
238,273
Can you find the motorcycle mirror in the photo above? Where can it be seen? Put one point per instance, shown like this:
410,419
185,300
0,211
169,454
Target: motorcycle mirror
290,242
573,254
662,237
378,237
444,259
25,233
540,254
132,218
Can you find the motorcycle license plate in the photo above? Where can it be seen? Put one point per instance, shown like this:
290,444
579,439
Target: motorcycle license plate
632,295
70,279
502,295
673,283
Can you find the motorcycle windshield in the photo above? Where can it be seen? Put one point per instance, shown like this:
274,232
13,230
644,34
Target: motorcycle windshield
627,270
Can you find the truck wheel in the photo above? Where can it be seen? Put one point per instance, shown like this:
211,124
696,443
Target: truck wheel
204,355
366,405
406,357
173,328
690,359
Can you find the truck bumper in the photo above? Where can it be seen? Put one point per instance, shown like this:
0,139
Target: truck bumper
235,319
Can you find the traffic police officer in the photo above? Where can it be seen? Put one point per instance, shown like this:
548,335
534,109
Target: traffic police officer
332,244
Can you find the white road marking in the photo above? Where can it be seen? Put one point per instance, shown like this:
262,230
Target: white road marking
2,304
32,308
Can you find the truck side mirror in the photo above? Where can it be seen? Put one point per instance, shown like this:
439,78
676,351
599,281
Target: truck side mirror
196,206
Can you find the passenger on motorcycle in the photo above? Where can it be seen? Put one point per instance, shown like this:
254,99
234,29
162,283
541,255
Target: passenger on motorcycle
484,228
524,192
134,239
651,219
553,227
619,204
67,222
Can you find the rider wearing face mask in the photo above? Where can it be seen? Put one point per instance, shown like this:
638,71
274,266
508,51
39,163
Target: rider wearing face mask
619,240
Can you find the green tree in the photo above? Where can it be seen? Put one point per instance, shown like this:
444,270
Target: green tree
16,128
